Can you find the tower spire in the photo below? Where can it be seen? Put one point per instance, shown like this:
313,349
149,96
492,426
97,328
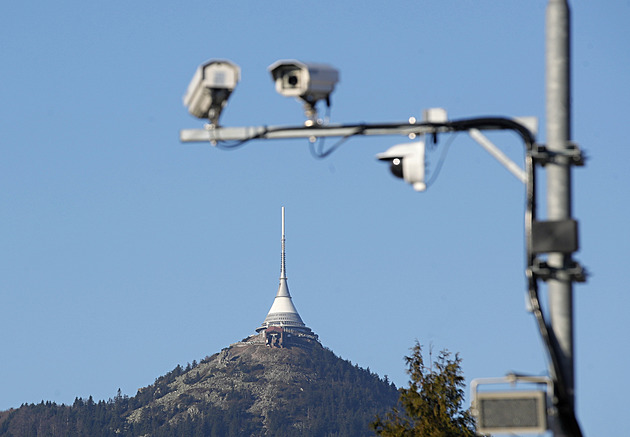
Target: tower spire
283,261
283,313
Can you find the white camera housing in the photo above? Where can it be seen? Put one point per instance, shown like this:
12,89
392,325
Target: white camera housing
407,162
308,81
210,88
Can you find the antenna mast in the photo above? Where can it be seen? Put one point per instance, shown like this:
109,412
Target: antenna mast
283,271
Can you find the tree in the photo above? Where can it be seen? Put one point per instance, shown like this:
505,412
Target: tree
432,405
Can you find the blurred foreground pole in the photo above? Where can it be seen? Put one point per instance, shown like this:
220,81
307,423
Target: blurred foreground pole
558,107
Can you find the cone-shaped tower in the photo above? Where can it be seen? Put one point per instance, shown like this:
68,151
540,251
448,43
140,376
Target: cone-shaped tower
283,313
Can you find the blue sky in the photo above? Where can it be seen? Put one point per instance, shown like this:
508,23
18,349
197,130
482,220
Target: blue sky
125,252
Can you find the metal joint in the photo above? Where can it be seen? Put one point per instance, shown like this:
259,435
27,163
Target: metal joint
542,270
544,156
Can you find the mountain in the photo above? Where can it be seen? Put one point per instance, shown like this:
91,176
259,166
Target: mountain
247,389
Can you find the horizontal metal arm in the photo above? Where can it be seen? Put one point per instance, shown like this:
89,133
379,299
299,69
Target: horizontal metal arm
217,134
286,132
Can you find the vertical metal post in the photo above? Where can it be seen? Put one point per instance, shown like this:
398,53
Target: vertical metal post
558,107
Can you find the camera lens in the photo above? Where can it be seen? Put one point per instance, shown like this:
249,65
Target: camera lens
396,167
292,80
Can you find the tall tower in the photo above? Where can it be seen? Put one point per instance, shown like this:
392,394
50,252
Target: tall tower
283,316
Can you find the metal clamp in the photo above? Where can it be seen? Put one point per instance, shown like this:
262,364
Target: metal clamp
543,156
542,270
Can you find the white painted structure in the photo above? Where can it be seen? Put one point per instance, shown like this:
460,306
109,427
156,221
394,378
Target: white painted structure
283,313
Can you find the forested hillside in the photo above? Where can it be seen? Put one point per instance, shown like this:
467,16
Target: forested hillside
245,390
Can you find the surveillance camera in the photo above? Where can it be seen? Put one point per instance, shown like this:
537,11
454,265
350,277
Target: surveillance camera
406,161
210,88
309,81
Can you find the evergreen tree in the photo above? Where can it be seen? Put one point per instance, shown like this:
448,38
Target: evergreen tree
432,405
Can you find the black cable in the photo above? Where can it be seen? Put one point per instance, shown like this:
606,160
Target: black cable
231,145
562,400
321,154
495,123
440,163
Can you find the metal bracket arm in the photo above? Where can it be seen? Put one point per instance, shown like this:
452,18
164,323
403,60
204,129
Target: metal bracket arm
493,150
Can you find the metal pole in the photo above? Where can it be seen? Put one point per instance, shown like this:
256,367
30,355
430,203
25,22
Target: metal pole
558,83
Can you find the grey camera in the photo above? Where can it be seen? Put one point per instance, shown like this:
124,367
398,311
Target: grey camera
210,89
308,81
